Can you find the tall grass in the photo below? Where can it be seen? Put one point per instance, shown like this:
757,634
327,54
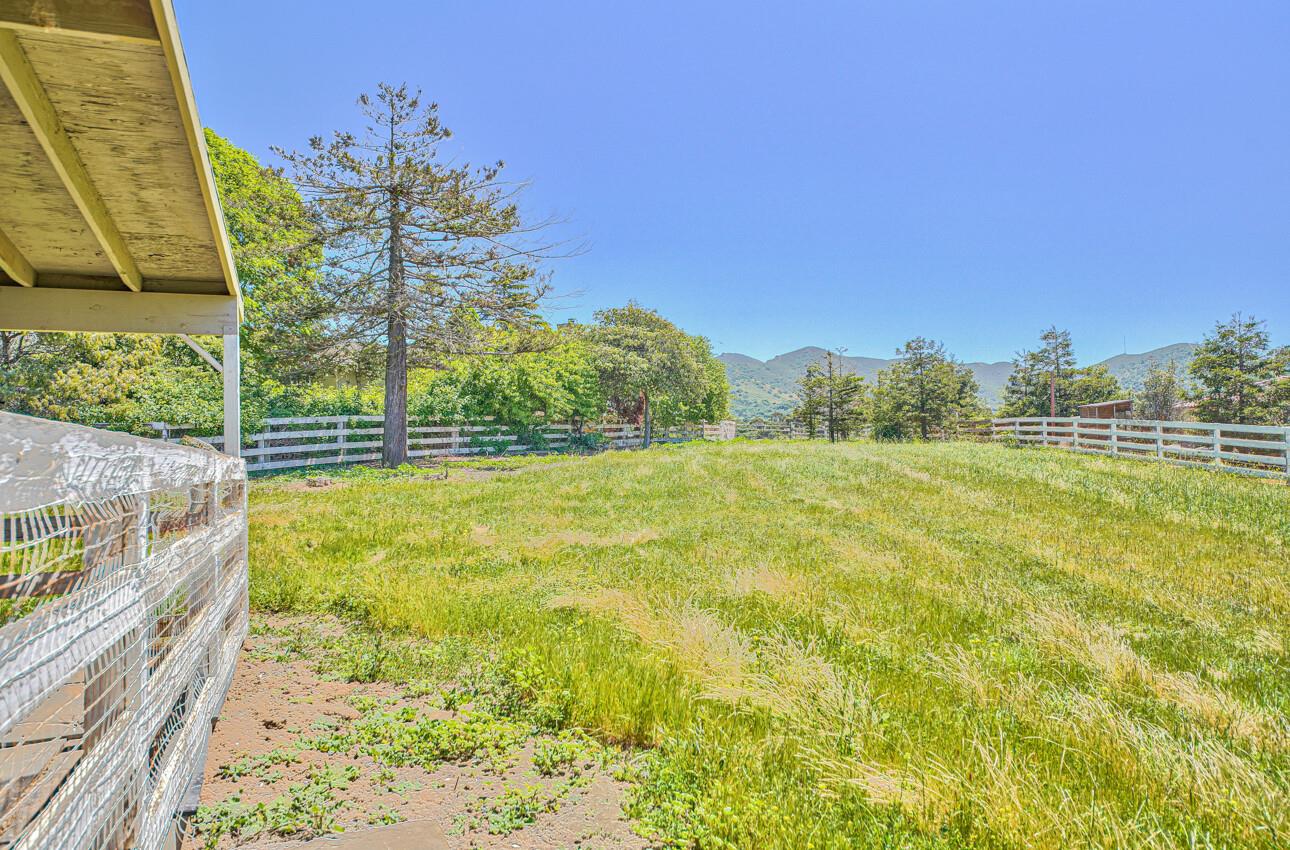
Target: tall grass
858,645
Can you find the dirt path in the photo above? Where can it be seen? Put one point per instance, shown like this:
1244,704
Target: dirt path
297,753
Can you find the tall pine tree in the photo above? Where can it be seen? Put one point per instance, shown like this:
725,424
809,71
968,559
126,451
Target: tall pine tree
424,257
1046,382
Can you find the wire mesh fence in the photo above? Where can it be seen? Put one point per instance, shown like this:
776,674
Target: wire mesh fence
122,607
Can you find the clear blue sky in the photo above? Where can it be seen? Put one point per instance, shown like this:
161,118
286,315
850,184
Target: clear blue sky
836,173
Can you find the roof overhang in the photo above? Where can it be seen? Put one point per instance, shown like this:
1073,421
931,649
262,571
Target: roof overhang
109,215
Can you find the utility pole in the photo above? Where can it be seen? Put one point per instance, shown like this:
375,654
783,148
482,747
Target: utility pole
1052,385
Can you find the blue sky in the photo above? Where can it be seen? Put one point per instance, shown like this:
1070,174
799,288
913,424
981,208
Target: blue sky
850,174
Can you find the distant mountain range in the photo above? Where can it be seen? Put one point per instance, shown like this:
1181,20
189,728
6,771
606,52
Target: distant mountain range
762,388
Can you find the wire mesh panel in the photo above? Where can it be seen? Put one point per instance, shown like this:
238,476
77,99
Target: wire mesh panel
122,607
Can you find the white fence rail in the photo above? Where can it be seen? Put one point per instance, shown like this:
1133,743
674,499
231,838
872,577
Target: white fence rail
303,441
123,603
1262,450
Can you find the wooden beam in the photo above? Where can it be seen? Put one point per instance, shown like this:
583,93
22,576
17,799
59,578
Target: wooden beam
232,371
168,29
202,353
40,309
103,20
112,283
39,112
14,264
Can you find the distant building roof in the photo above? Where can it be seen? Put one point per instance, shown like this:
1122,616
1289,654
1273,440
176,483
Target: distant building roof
1103,409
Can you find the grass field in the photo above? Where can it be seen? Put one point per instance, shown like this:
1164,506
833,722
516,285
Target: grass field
861,645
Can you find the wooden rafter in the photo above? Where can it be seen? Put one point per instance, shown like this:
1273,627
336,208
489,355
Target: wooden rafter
14,264
39,112
123,20
172,48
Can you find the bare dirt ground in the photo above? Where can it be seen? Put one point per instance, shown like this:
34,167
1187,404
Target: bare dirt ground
262,751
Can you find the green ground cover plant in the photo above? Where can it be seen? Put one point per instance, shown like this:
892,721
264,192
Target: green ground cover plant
858,645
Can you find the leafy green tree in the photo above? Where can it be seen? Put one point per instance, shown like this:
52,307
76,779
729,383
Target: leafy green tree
279,264
526,391
1090,385
924,391
1046,382
641,357
1238,374
832,399
710,404
1161,393
424,256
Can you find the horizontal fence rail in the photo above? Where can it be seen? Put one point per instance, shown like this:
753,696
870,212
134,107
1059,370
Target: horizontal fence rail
304,441
1262,450
123,604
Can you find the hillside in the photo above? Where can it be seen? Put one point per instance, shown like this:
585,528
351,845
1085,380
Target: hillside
762,388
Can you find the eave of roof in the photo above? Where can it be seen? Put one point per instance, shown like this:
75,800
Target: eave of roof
107,188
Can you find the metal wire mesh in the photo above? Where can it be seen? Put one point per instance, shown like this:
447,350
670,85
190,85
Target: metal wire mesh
122,608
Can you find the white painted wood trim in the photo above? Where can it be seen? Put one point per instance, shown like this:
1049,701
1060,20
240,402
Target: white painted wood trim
232,394
201,352
49,309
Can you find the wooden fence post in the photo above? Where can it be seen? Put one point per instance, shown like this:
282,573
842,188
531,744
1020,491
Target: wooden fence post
1285,452
1115,445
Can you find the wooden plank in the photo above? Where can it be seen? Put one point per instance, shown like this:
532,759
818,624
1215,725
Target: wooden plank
163,14
43,309
312,461
117,20
1270,445
14,264
59,717
311,434
23,810
27,585
1266,460
30,96
310,448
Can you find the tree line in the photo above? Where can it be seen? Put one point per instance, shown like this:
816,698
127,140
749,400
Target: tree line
380,275
1235,375
925,393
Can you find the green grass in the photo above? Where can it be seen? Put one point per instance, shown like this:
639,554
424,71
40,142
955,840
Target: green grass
859,645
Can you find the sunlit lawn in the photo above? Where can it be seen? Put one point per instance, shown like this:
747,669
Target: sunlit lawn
857,645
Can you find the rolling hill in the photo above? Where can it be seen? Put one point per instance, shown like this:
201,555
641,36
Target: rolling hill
763,388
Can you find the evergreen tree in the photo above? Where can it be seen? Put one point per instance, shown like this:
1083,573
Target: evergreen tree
925,391
1046,382
424,257
1239,374
843,399
812,393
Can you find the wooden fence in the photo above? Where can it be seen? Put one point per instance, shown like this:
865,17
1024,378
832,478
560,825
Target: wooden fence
124,588
302,441
1262,450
